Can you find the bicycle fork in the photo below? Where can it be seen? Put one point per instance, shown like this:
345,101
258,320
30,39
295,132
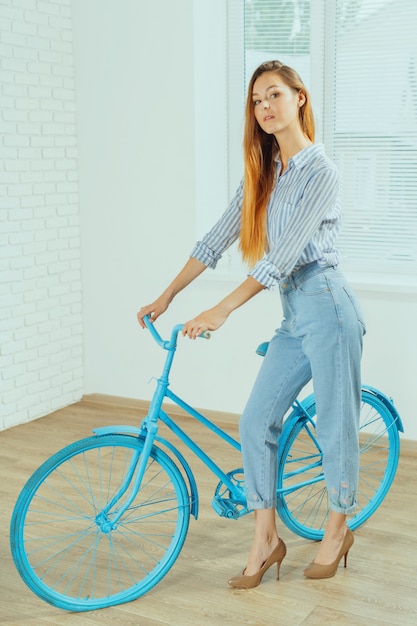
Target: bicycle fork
103,519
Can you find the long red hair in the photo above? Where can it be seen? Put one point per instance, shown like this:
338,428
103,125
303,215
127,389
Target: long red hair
260,150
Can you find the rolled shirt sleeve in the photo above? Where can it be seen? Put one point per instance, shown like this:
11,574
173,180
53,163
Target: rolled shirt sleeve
223,234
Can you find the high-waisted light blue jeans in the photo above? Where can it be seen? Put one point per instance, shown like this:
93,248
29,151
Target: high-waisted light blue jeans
320,338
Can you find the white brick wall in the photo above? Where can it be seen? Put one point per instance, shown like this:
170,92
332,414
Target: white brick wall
40,274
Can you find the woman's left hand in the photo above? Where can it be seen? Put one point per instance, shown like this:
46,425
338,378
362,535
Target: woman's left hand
211,319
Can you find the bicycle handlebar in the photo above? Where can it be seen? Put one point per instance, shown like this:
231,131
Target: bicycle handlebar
171,343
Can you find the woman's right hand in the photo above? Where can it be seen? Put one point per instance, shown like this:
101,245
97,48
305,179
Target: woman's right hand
154,310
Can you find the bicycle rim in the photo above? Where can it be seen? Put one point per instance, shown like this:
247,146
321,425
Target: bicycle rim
60,546
303,502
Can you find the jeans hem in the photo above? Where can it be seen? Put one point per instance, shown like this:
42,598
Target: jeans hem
344,510
263,504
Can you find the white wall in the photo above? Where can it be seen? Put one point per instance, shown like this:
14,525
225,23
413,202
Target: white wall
134,83
40,276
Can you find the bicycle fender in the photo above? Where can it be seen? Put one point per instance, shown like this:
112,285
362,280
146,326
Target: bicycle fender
389,403
138,432
118,430
187,469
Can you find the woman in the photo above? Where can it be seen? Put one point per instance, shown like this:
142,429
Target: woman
286,214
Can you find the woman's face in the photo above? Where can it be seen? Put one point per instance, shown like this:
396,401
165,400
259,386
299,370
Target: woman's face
275,104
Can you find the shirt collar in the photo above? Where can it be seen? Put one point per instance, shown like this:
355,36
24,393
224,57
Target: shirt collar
302,157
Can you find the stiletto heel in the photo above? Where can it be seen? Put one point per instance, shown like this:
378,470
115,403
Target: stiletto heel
248,582
346,555
315,570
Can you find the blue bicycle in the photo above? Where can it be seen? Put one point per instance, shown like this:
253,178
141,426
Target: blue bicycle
103,520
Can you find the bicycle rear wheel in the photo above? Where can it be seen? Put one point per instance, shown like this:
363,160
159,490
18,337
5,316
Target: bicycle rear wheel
303,503
61,543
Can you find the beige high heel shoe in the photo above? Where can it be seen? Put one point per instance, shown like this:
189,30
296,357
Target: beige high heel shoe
315,570
248,582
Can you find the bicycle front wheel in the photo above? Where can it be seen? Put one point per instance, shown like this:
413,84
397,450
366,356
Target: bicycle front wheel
62,540
303,503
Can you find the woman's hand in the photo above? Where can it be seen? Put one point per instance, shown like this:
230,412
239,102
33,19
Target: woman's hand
211,319
154,310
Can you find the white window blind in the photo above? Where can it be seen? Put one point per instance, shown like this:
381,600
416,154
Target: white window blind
370,125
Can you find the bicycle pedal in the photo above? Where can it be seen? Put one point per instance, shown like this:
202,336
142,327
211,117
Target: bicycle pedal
227,508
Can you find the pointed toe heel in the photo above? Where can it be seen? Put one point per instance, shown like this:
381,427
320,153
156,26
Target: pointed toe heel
248,582
315,570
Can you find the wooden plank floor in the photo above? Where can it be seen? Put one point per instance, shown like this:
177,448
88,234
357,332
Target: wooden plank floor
378,587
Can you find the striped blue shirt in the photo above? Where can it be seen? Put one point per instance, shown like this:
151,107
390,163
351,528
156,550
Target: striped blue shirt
303,220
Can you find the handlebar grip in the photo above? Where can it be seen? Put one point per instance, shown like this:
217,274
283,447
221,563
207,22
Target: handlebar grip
149,325
168,344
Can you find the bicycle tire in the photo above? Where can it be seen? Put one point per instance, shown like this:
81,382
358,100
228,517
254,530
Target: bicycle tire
60,549
305,509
